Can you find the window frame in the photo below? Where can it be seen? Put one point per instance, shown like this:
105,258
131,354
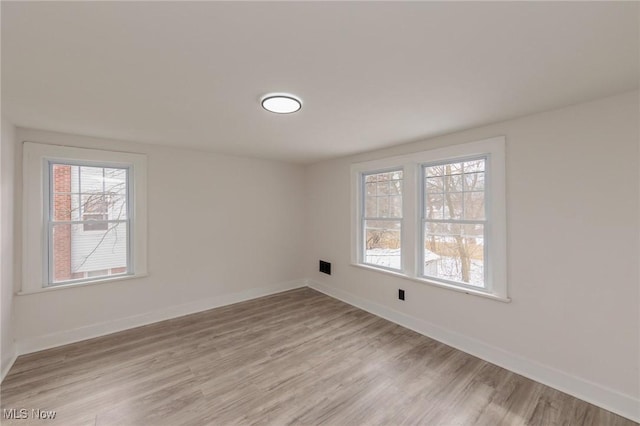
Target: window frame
37,192
493,149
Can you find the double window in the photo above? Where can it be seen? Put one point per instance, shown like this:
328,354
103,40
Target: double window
436,216
85,213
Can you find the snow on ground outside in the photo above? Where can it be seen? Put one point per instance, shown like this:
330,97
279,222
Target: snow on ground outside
446,267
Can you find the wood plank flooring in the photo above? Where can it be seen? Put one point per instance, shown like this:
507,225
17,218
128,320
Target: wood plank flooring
298,357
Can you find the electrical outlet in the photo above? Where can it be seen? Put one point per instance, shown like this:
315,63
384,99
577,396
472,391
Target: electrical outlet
400,294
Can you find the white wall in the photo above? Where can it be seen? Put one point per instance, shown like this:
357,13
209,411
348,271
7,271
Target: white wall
221,228
7,162
573,219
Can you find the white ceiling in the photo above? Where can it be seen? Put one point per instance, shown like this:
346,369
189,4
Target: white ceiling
371,74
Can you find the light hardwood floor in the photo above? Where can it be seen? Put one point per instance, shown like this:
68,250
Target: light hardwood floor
297,357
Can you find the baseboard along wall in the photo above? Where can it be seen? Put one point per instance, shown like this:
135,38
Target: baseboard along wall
603,397
53,340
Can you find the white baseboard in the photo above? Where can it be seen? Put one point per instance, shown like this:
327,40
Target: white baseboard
609,399
593,393
96,330
6,366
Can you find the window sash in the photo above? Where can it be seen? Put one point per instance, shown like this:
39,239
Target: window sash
485,189
51,222
485,222
363,252
485,254
50,253
364,218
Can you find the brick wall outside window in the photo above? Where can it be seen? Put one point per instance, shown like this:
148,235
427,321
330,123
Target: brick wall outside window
62,211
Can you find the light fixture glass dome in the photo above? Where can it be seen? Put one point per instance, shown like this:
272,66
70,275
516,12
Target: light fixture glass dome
281,103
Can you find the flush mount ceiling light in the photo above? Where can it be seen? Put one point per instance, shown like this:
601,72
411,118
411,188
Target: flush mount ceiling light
281,103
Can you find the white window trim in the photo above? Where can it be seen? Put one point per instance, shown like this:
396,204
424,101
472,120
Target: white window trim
36,157
411,241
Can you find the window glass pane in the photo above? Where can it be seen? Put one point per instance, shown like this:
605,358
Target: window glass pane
395,206
453,183
453,207
383,188
95,222
434,206
382,243
455,252
395,187
77,253
91,179
64,208
383,207
474,166
81,190
395,175
474,206
462,187
370,188
474,181
435,171
370,207
115,181
435,185
94,203
64,204
117,207
383,195
453,168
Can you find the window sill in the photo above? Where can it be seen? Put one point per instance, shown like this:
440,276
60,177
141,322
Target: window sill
435,283
83,284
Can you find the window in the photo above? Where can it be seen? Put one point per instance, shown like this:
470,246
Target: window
382,219
437,217
454,222
85,215
88,222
